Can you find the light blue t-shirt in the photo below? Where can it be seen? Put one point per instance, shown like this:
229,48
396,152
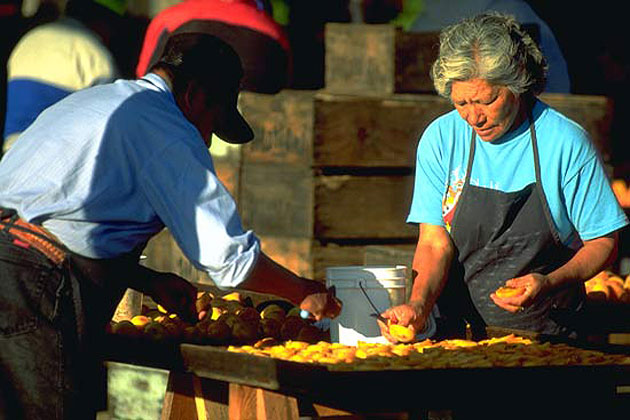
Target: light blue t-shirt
108,167
580,198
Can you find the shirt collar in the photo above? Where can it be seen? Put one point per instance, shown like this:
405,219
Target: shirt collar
157,81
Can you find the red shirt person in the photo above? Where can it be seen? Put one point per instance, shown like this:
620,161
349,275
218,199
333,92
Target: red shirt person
246,25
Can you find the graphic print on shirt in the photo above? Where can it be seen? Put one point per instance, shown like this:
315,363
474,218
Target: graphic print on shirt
453,191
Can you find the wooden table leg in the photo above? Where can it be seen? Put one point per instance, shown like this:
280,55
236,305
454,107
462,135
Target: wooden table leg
190,398
248,403
179,401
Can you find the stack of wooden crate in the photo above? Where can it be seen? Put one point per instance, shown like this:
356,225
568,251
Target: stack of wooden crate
328,179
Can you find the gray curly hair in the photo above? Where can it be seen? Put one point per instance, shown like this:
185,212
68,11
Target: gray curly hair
493,47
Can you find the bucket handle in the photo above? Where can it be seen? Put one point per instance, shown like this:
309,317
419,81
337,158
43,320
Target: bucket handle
368,299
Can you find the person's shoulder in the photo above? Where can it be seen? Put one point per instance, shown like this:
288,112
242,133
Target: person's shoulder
561,125
562,136
445,125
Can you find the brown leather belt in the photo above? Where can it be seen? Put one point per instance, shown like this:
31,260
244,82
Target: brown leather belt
29,235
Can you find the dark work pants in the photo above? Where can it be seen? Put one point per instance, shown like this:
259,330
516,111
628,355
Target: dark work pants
46,369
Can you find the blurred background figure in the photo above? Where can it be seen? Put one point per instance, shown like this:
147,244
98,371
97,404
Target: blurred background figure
59,55
305,23
11,25
247,25
433,15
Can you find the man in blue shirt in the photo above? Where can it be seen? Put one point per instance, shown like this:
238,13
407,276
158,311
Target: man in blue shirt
88,184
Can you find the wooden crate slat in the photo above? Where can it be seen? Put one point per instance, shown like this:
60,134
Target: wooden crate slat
357,131
282,125
322,129
309,257
378,59
295,201
358,207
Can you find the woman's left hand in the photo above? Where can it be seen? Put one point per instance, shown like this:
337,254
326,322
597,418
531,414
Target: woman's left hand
535,284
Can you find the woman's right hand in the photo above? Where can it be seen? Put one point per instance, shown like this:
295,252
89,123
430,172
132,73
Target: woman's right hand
409,315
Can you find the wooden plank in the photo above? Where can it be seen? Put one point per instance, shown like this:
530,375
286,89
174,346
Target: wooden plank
309,257
216,398
415,54
363,206
359,58
277,199
297,202
242,402
323,129
179,401
358,131
282,125
296,254
378,59
271,406
228,172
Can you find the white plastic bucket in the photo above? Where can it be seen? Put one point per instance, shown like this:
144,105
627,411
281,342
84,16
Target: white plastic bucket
386,287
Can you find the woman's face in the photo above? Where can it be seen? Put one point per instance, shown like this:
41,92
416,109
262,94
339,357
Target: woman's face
490,110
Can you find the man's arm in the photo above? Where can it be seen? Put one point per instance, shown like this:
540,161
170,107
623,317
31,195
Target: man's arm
270,277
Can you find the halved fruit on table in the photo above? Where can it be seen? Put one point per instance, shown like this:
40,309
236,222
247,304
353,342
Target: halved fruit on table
401,333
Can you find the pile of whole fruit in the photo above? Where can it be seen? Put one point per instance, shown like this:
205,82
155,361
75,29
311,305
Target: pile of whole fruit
225,320
608,286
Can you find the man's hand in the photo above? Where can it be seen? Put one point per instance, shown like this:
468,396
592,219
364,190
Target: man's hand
175,294
322,304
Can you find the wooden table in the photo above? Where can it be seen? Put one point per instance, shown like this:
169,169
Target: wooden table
210,382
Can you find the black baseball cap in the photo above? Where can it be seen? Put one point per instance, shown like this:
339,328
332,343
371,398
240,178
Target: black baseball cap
214,64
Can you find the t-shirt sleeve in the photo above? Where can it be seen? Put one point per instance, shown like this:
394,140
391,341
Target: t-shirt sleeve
591,203
430,179
202,216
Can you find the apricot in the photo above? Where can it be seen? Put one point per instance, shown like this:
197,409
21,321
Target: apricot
244,332
234,296
218,332
401,333
616,291
291,327
273,311
126,328
599,292
204,302
155,331
508,292
270,327
248,314
140,320
192,334
216,313
310,334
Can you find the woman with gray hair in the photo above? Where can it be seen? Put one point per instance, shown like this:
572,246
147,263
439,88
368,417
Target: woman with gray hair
514,209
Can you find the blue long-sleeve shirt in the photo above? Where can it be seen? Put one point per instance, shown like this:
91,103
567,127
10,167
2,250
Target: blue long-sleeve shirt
108,167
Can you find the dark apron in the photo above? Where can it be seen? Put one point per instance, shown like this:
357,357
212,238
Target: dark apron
499,236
